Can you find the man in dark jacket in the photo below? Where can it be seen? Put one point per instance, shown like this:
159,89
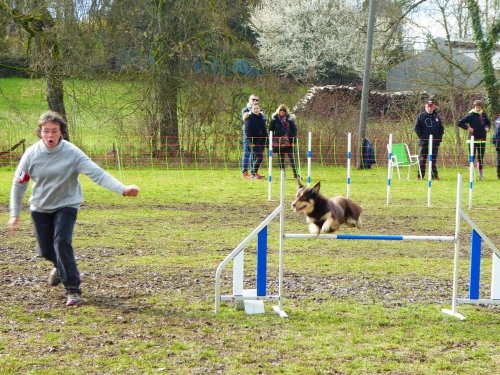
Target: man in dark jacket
477,123
429,123
256,133
247,160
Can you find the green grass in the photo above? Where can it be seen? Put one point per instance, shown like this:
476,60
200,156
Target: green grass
96,112
148,267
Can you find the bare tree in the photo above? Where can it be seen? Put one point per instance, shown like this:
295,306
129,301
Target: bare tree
42,30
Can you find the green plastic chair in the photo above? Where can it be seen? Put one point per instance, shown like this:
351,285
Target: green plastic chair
401,157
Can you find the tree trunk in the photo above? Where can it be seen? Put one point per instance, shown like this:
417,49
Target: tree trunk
167,92
55,95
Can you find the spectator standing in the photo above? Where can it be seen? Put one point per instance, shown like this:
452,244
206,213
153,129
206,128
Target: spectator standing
54,165
496,141
429,123
247,161
477,124
256,134
284,131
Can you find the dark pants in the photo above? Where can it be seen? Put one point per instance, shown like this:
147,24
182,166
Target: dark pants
479,149
258,154
247,158
287,150
498,162
423,156
54,233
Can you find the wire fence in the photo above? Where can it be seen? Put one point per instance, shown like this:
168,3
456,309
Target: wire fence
227,153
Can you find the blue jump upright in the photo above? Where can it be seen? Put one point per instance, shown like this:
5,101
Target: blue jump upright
262,262
475,265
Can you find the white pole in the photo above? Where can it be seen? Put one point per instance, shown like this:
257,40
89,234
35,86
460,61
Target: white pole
349,164
429,172
471,170
270,163
282,234
279,309
457,242
309,157
458,216
495,276
238,276
389,169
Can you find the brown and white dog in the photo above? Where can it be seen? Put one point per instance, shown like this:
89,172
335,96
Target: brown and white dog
325,215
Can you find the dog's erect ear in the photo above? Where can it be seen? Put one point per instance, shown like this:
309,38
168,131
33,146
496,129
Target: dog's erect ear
316,188
300,184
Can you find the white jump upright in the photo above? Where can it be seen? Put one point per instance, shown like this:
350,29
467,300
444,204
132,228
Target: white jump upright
253,299
477,237
348,164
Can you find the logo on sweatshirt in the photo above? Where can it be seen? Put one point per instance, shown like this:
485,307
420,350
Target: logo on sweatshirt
22,176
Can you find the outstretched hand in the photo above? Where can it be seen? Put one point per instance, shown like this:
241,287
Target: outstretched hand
13,224
131,191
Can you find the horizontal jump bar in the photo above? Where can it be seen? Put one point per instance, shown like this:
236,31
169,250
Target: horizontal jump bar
373,237
478,301
231,298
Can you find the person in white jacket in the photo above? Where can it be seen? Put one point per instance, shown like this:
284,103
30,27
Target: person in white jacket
53,164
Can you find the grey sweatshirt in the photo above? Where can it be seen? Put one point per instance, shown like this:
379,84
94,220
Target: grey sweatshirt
54,172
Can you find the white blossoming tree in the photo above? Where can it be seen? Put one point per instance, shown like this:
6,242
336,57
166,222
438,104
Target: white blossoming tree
310,39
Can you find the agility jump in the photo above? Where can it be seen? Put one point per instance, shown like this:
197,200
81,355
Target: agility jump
253,299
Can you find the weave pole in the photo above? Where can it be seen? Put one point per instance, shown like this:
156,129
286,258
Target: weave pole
309,157
429,172
348,164
389,170
270,165
471,170
297,160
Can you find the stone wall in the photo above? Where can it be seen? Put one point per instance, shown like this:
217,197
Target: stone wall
329,101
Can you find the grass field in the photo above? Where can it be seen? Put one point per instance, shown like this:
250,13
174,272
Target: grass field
148,267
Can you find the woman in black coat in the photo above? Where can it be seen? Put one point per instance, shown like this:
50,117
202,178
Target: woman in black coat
477,123
284,133
256,133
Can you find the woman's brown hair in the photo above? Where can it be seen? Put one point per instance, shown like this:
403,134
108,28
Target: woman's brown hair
51,116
